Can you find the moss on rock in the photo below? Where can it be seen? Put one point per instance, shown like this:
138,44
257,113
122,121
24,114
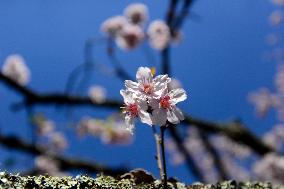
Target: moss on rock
108,182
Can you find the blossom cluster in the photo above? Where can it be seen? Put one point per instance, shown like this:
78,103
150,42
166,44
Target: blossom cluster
128,32
264,99
151,100
230,153
47,165
110,131
270,167
55,140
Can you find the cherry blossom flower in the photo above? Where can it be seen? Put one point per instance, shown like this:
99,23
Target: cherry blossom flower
97,94
134,108
137,13
129,37
152,94
15,68
147,86
113,25
159,34
165,109
263,101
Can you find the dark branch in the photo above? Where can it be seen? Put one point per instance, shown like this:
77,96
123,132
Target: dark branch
65,163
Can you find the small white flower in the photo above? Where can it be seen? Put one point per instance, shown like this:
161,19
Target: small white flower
46,127
97,94
90,126
113,25
164,109
15,68
263,100
137,13
116,136
133,109
147,86
159,34
129,37
58,141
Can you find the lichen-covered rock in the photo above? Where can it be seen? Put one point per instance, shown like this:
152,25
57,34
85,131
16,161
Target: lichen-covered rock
8,181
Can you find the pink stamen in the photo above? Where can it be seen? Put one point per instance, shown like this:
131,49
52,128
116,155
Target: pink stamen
132,109
147,88
165,102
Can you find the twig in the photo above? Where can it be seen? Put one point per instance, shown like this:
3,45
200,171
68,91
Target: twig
183,14
165,177
158,155
166,52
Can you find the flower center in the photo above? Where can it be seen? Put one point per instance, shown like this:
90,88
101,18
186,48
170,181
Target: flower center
165,102
147,88
132,109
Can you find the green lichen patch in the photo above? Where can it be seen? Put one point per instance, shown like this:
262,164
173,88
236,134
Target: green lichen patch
8,181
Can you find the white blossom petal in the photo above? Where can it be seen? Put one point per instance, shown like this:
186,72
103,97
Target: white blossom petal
127,96
154,103
177,95
178,113
131,85
145,117
172,117
129,121
142,104
144,75
159,116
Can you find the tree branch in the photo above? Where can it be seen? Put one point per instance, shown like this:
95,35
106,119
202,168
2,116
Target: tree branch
64,162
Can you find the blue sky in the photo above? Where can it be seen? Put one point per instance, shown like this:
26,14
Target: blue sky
218,62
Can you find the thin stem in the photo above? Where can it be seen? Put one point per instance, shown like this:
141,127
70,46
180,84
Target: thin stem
163,157
158,155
